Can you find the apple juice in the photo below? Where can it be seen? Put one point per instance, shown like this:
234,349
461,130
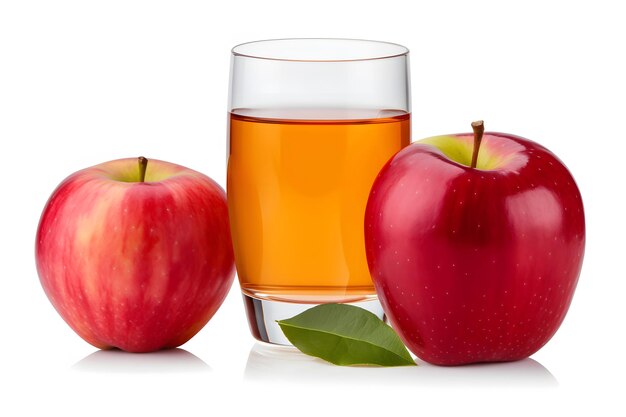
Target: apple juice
298,183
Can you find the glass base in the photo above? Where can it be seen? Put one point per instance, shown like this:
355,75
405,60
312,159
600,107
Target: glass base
262,315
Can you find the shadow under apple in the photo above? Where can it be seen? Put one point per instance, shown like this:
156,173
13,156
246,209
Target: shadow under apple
287,364
163,361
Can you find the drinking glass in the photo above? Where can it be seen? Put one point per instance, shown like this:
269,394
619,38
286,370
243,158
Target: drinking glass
311,123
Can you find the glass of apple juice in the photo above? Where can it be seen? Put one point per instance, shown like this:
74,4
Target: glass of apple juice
311,123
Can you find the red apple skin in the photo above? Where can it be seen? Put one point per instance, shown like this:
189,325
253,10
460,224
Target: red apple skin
131,265
473,265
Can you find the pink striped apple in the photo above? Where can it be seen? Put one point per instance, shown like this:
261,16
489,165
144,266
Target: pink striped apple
136,256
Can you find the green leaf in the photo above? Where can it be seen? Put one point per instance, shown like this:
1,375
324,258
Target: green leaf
345,335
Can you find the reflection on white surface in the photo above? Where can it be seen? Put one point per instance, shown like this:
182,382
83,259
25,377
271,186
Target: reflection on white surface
287,364
164,361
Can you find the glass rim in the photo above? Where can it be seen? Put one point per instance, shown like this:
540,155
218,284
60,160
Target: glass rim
401,50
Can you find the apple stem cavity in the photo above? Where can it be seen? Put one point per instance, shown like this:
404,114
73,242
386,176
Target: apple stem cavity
479,128
143,165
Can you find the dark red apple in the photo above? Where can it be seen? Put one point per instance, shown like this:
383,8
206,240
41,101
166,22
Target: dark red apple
475,264
136,257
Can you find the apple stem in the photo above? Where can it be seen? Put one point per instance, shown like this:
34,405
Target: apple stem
143,164
479,128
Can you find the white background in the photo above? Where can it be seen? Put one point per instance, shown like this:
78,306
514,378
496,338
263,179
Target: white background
84,82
